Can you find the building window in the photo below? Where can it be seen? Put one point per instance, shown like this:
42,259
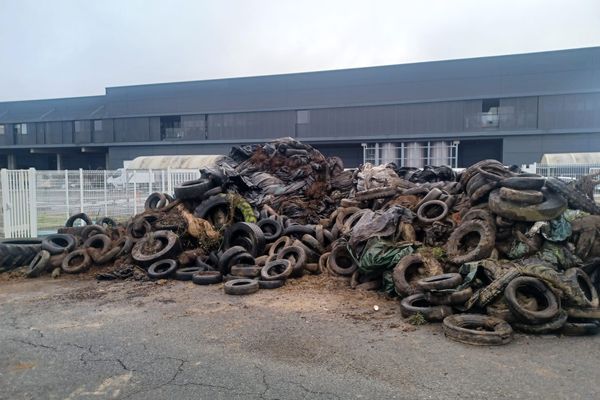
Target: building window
2,128
412,154
302,117
20,129
78,126
490,106
97,125
170,128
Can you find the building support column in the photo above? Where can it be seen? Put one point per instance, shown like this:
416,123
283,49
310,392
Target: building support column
58,161
11,161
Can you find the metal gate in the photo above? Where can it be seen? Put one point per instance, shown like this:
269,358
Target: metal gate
19,214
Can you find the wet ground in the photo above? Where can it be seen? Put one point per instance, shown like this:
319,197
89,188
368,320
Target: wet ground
75,338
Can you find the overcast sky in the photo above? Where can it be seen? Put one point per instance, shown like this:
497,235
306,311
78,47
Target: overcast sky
65,48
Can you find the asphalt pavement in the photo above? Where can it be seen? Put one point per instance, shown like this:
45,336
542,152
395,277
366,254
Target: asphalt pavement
74,338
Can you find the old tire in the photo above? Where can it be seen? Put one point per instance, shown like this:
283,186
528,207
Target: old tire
440,282
59,243
39,264
80,216
193,189
341,262
271,229
585,284
542,294
580,328
484,247
424,213
276,270
552,207
477,329
235,233
169,243
272,284
241,286
76,262
547,327
527,197
162,269
207,277
186,274
417,304
16,253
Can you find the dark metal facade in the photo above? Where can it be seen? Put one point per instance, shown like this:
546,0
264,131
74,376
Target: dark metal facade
545,102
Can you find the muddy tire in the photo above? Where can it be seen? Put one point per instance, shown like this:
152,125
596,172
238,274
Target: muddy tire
575,198
272,284
299,258
547,327
424,213
440,282
476,329
39,264
417,304
276,270
585,284
59,243
225,263
162,269
341,262
155,201
542,294
523,182
76,262
453,298
207,277
580,328
241,286
246,270
186,274
521,196
487,241
169,247
271,228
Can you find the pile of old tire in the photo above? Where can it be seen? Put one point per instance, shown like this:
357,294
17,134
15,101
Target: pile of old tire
91,244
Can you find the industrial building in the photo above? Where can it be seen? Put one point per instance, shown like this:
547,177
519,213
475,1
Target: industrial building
513,108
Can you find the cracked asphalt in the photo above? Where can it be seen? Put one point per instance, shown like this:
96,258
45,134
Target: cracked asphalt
73,338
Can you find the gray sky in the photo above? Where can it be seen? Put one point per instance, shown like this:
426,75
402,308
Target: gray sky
65,48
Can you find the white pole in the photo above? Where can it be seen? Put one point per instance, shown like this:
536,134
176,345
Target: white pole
32,203
67,193
134,198
105,196
5,203
80,189
150,179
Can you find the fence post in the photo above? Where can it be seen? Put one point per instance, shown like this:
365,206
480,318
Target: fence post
67,193
32,202
80,189
105,195
162,181
169,181
150,179
134,198
5,203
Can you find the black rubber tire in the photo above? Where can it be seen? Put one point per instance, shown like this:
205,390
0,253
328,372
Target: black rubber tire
422,211
126,244
207,277
552,207
339,253
440,282
99,239
39,264
585,284
82,216
108,221
241,286
242,258
282,267
547,327
487,241
576,199
171,247
138,228
85,263
272,284
400,272
239,230
245,270
452,298
16,253
155,201
527,197
90,230
297,230
106,257
186,274
523,182
59,243
298,254
271,229
193,189
417,304
280,244
225,259
580,328
207,207
162,269
477,329
541,291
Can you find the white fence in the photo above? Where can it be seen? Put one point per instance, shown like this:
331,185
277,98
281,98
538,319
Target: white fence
38,202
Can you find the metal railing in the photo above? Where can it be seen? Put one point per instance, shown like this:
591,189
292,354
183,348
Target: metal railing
567,172
38,202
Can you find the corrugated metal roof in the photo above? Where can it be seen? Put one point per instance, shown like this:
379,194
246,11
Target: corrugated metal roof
570,158
174,162
554,72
